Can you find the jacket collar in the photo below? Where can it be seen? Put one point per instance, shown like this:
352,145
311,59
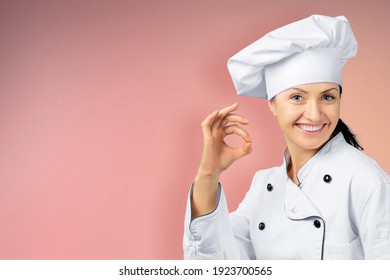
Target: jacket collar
305,170
297,204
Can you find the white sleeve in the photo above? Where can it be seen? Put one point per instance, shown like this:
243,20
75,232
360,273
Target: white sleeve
375,224
217,235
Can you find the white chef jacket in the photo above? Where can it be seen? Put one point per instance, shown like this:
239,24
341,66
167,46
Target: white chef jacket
340,210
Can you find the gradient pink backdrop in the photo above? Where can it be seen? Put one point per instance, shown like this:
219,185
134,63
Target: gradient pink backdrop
100,111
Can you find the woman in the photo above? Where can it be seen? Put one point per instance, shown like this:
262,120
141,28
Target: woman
327,200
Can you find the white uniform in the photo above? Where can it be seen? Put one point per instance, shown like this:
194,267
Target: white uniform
340,210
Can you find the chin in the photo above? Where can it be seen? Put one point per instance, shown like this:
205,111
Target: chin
314,144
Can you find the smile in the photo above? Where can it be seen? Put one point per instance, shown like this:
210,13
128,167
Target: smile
310,128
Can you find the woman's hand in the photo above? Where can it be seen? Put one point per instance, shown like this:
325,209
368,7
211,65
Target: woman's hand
217,156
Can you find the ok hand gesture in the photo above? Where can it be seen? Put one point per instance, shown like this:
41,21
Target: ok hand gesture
217,156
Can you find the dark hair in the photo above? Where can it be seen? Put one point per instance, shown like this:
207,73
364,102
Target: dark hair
349,136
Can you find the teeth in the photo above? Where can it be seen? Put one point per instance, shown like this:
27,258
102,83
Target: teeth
310,127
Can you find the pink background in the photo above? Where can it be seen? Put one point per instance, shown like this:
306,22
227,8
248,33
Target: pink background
100,111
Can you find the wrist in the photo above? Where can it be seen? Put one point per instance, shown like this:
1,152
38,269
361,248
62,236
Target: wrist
207,176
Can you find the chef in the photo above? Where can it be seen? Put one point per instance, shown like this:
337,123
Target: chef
328,200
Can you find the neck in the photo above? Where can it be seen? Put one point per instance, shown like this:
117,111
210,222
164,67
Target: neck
298,157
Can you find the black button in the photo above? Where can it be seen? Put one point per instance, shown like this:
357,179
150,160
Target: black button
327,178
317,223
261,226
270,187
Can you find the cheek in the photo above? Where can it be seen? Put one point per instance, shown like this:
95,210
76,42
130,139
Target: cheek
333,113
288,115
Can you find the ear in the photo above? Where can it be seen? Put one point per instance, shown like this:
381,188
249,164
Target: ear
271,106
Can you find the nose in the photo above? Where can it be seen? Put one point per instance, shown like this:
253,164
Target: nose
313,111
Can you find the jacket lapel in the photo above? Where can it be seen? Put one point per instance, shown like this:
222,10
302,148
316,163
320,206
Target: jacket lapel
297,205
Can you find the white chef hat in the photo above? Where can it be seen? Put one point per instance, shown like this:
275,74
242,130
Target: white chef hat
310,50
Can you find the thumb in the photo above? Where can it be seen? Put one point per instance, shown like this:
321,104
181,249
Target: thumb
244,150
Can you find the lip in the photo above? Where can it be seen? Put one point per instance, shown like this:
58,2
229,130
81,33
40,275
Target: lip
310,128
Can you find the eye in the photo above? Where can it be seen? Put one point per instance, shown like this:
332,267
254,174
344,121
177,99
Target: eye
296,98
328,97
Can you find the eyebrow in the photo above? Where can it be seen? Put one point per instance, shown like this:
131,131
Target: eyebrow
304,91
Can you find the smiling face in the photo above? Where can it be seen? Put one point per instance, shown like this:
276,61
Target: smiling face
307,115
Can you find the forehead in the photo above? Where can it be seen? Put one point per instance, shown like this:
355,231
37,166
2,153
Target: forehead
314,88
